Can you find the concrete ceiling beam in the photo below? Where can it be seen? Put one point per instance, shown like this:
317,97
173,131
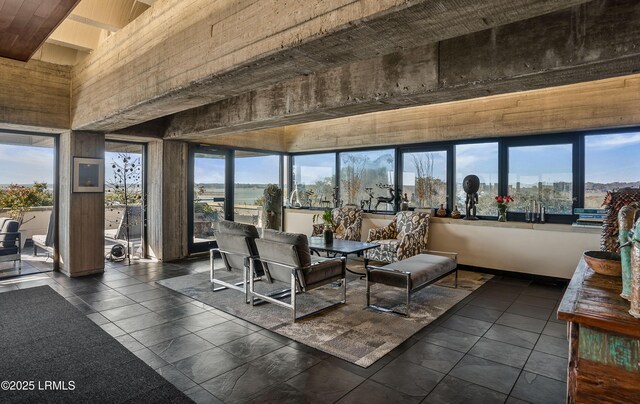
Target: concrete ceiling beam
182,55
584,43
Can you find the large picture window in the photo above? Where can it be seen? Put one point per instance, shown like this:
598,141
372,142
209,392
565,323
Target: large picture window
543,174
314,176
611,162
479,159
253,173
424,178
362,173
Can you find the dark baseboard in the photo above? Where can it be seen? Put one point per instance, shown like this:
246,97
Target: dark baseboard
548,280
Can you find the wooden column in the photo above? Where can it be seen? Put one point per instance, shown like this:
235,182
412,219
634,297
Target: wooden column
167,228
81,223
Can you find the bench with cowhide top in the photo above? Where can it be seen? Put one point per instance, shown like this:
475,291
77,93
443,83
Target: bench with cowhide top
412,274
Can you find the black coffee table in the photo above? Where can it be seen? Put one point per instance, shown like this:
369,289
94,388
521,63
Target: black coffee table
342,248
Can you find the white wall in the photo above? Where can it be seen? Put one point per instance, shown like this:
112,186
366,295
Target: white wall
541,249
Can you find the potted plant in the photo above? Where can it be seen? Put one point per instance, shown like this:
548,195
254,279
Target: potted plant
327,218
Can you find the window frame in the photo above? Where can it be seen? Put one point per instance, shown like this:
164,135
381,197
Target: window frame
575,138
430,148
547,140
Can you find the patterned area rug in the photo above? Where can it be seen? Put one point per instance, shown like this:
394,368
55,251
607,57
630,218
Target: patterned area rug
351,332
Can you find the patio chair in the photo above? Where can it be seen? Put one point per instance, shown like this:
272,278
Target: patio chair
236,244
10,241
347,224
285,257
404,237
45,241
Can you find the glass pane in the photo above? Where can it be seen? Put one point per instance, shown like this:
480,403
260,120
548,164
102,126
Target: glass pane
254,172
611,162
424,178
208,194
123,214
314,176
542,174
480,159
368,176
26,196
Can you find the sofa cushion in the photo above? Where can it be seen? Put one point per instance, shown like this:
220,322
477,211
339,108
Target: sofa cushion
423,268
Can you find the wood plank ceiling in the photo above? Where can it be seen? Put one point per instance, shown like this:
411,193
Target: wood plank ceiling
26,24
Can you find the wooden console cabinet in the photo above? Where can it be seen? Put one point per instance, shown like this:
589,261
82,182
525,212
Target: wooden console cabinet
604,340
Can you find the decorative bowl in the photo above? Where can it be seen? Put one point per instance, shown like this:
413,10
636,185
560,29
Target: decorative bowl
604,262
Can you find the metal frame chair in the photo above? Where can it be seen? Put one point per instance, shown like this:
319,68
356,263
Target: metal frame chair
297,281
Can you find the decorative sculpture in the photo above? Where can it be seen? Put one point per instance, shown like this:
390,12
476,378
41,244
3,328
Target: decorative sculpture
337,203
367,202
634,239
271,210
385,199
308,197
626,218
471,185
294,200
404,205
613,202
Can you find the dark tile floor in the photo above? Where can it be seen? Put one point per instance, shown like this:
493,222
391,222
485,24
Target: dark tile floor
500,344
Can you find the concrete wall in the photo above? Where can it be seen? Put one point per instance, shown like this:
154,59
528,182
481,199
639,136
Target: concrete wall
544,249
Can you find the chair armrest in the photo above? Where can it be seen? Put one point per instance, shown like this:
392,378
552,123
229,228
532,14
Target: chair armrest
452,255
380,233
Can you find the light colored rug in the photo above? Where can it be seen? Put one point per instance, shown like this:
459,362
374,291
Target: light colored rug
350,331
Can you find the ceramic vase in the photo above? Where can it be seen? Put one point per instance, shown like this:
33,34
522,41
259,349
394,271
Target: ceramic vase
455,213
442,212
625,224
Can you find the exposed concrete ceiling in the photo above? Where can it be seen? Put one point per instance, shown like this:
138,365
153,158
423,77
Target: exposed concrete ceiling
187,54
588,42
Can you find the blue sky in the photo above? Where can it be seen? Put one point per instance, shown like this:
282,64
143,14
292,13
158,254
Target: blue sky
249,170
25,164
612,158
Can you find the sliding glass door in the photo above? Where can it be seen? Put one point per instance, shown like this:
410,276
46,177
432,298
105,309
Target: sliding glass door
207,195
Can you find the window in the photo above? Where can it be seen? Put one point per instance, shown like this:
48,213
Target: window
314,177
611,162
209,168
542,174
254,172
365,176
424,178
480,159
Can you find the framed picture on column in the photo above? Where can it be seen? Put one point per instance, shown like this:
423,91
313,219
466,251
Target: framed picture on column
88,175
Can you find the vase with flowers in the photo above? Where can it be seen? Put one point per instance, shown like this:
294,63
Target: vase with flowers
503,203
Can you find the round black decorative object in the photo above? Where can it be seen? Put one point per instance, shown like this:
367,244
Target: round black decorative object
471,185
117,252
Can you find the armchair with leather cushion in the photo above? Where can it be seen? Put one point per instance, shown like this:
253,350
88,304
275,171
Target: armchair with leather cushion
347,224
404,237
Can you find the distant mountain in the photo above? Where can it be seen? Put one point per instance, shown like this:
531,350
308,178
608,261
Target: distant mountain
595,186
